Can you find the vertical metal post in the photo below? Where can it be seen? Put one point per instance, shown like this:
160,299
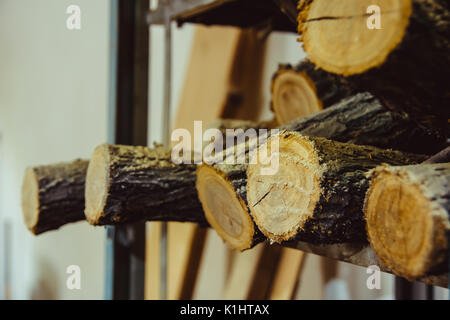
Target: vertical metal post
125,245
113,48
166,132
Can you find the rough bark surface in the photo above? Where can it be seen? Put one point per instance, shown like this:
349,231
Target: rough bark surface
337,217
330,88
362,119
60,195
144,184
236,175
413,77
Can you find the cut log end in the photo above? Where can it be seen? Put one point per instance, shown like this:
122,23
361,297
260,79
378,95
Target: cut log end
97,181
53,195
293,96
30,199
274,201
405,228
318,193
337,37
225,211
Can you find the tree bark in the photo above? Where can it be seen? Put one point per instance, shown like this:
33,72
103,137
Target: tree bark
53,195
360,119
222,192
132,183
405,63
407,211
303,90
318,193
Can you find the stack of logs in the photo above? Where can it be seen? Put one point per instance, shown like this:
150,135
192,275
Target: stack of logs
357,175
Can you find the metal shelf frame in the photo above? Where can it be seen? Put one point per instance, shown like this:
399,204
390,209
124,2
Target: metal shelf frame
127,124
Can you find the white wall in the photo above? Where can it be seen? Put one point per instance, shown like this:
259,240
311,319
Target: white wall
53,102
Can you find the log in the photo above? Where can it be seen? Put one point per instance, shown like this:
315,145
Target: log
407,211
303,90
222,192
125,184
346,121
405,63
60,189
364,120
317,195
53,195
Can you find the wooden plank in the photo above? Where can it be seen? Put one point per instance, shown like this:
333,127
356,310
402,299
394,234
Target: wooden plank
244,98
212,272
203,98
287,275
220,82
244,266
152,260
207,83
252,273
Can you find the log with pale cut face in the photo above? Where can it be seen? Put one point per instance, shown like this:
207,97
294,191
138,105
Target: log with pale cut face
125,184
318,193
405,62
304,90
360,119
407,211
53,195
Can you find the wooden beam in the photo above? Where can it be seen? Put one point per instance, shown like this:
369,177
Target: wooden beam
252,273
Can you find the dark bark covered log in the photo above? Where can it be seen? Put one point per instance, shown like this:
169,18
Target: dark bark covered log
318,192
222,192
360,119
407,210
131,183
362,254
53,195
303,90
363,119
405,63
